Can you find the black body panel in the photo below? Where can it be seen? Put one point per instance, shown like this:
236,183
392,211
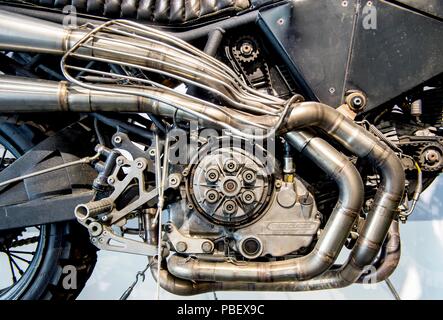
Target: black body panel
405,50
432,7
315,35
333,49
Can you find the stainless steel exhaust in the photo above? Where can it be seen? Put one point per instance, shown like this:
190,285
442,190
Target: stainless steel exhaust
375,229
321,151
130,44
387,199
29,95
24,33
389,259
327,248
18,94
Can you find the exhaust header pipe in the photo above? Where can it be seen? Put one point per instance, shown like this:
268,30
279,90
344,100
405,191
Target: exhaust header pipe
25,95
328,247
23,33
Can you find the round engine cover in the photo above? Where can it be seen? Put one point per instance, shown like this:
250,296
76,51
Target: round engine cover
229,186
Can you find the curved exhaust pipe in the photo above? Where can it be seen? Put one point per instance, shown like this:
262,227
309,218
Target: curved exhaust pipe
390,257
327,248
387,199
25,95
319,149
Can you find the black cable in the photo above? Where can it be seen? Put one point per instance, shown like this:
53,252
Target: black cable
97,132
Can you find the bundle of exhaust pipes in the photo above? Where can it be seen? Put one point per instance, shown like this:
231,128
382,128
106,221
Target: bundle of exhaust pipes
241,108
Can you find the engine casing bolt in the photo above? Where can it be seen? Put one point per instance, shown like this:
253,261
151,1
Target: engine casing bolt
207,247
249,176
231,165
248,197
181,246
229,207
139,164
117,139
212,196
212,175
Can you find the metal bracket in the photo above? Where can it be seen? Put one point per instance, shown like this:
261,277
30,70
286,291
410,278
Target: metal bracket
185,244
108,240
136,170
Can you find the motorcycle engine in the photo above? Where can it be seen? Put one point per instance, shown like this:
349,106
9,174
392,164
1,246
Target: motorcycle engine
236,201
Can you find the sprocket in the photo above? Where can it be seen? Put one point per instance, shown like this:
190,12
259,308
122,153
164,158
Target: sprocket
430,157
246,49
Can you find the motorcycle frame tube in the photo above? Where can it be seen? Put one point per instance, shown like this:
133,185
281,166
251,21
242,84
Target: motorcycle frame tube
188,35
22,32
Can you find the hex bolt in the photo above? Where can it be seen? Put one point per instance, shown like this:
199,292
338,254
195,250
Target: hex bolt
229,207
117,139
151,152
212,175
181,246
212,196
111,180
431,156
169,228
230,185
246,48
207,247
248,197
139,164
119,161
174,180
95,229
230,165
356,100
249,176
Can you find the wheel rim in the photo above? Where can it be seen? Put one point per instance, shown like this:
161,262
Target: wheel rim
21,251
